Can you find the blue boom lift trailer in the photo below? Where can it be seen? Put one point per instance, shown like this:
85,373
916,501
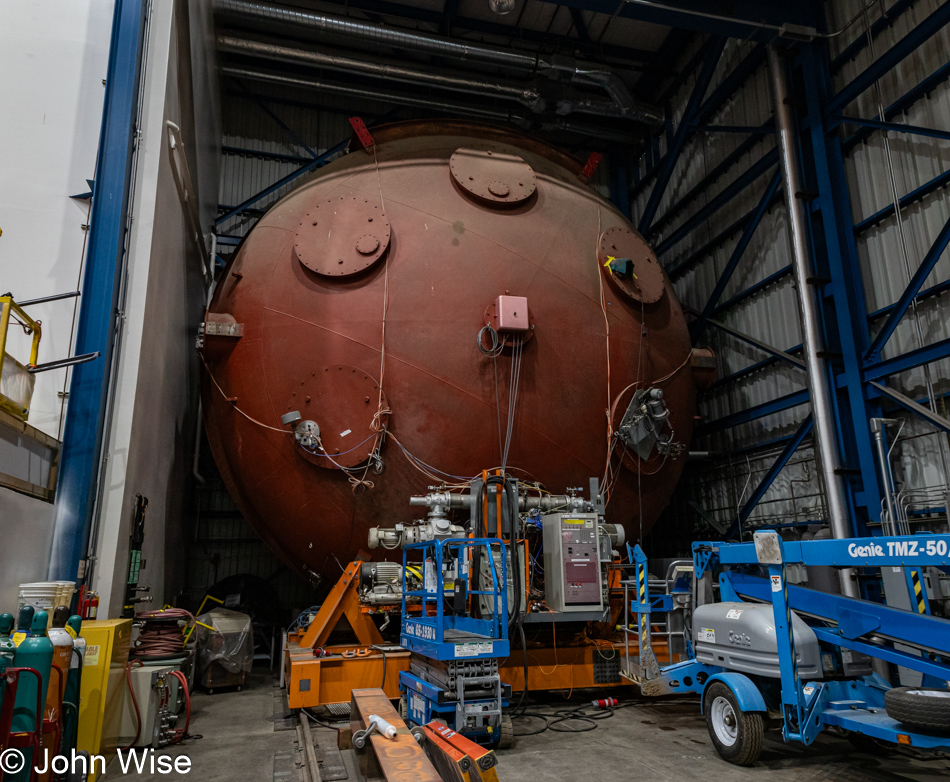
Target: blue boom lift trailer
771,651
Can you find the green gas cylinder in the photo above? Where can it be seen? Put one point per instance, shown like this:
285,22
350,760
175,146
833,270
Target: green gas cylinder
35,651
73,685
23,623
7,650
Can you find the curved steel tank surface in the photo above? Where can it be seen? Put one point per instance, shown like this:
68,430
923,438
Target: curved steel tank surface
430,231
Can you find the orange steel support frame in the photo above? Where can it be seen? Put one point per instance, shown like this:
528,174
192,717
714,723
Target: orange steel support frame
317,681
343,601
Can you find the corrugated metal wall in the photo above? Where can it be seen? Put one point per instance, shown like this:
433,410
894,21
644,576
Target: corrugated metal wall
771,314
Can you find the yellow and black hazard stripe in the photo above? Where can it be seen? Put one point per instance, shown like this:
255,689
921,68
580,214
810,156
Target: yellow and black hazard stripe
642,579
919,597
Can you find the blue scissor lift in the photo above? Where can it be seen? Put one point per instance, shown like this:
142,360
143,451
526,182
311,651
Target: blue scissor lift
744,685
458,638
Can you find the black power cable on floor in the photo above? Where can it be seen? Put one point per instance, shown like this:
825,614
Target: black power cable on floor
588,719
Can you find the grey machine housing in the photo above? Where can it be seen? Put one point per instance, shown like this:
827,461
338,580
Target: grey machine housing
572,573
741,637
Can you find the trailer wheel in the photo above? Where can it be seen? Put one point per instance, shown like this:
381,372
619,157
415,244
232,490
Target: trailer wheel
919,706
506,739
736,734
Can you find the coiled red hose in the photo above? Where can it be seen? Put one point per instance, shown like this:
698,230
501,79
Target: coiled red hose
160,635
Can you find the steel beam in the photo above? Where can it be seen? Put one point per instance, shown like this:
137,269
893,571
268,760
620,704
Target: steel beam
902,104
842,297
934,290
922,33
752,290
918,409
717,202
915,195
910,292
781,355
709,179
909,360
758,366
860,41
763,410
744,20
696,328
713,50
768,479
98,321
897,127
316,163
263,155
731,84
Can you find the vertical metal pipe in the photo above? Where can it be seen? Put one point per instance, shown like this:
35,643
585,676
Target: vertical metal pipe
825,437
877,428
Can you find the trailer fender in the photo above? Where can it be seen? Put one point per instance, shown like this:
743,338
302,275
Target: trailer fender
747,694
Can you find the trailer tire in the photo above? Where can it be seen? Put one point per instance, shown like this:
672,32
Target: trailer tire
921,707
737,735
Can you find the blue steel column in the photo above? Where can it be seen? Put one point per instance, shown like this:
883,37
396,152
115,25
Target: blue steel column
88,391
846,316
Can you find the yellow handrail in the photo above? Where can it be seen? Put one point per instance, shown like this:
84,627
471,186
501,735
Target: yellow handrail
8,307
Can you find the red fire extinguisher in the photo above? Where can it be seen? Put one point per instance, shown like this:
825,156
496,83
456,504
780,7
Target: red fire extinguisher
605,703
90,605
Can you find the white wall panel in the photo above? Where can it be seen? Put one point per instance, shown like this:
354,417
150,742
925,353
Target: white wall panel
53,57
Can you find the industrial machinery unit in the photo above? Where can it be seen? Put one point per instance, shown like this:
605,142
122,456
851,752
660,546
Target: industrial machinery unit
769,650
458,637
150,713
572,561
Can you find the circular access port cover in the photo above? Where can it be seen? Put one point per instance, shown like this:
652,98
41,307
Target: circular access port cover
493,177
343,400
630,264
342,236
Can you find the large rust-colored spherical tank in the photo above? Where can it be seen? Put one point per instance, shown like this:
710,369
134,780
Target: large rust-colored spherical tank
443,220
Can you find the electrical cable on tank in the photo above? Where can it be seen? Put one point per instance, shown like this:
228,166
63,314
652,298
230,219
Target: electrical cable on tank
343,273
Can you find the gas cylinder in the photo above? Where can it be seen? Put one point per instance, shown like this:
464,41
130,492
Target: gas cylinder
35,651
7,650
62,655
73,684
23,623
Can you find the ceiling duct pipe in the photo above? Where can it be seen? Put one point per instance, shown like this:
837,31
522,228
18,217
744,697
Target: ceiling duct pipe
445,106
449,107
581,72
525,95
829,457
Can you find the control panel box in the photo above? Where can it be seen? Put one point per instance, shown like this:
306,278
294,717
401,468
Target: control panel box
572,577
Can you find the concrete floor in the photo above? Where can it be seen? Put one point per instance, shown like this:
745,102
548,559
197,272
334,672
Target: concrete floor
655,742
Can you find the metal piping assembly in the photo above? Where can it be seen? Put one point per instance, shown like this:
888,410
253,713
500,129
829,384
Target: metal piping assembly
623,104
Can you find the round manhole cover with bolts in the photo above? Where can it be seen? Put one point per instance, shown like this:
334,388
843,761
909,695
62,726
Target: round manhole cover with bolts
342,236
493,177
631,265
343,401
